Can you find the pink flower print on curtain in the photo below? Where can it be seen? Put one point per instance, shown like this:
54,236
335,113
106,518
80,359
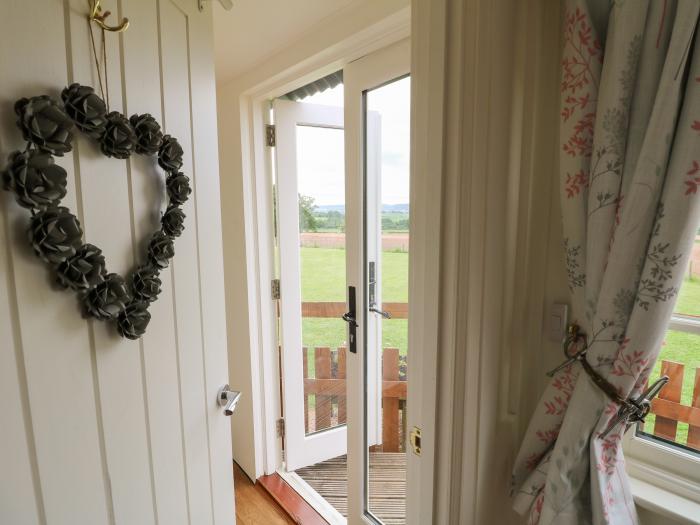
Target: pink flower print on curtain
629,171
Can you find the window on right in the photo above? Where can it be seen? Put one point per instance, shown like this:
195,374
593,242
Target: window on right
675,415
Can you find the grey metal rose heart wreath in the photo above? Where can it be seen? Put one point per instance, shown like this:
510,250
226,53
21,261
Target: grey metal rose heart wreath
55,233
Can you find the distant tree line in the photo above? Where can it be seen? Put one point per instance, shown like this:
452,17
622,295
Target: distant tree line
395,222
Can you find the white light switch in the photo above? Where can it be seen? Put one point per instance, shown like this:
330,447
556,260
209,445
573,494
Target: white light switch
557,322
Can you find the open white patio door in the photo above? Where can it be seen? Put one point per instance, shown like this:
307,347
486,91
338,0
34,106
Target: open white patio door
377,136
312,334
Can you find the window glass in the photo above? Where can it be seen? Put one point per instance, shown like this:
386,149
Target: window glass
677,407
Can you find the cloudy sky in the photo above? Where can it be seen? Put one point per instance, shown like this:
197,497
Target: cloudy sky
320,150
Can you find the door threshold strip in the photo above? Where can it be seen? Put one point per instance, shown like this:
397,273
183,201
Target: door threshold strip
290,500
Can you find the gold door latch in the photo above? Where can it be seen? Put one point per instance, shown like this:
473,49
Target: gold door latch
415,439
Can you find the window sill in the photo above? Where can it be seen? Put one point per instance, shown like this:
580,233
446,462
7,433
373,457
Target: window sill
659,500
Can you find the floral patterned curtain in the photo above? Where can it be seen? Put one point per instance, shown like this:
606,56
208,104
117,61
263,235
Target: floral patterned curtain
630,170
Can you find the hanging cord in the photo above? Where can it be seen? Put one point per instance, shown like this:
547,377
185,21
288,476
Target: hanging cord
105,96
96,15
104,62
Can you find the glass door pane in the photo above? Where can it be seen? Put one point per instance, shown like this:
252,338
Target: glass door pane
387,147
321,179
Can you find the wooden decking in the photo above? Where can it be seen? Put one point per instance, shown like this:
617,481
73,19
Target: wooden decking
387,484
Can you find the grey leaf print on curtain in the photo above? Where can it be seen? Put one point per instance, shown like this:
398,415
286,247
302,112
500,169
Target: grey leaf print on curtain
629,170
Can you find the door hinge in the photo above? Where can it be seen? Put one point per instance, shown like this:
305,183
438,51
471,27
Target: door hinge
270,135
280,428
275,286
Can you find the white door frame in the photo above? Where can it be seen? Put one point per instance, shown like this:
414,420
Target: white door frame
373,216
369,72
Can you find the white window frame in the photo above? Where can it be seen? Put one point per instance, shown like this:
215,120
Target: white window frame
665,479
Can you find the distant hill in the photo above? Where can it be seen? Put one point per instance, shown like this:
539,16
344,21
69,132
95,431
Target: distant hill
396,208
330,207
387,208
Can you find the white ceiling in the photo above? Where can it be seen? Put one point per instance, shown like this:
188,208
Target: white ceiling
257,29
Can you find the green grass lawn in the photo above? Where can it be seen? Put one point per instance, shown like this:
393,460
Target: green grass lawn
323,279
689,298
323,275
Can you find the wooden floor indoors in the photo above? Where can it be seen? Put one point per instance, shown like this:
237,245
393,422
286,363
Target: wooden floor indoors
254,506
387,485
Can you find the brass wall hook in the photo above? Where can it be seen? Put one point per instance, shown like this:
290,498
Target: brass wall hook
97,16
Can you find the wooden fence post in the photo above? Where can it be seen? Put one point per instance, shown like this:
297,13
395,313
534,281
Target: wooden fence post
403,404
305,354
342,374
323,403
693,430
390,405
665,427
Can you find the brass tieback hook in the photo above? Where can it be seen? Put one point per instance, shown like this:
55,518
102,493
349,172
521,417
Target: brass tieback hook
97,16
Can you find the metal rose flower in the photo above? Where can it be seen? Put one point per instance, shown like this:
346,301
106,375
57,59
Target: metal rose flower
87,110
35,179
119,138
44,123
83,270
133,321
146,284
161,249
173,221
178,185
149,136
55,234
108,299
170,154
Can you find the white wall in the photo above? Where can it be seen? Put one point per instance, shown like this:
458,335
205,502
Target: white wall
485,161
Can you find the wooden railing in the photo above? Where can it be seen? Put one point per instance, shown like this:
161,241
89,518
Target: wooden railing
325,387
331,309
668,408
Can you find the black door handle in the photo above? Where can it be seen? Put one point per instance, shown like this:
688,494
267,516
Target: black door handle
349,317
